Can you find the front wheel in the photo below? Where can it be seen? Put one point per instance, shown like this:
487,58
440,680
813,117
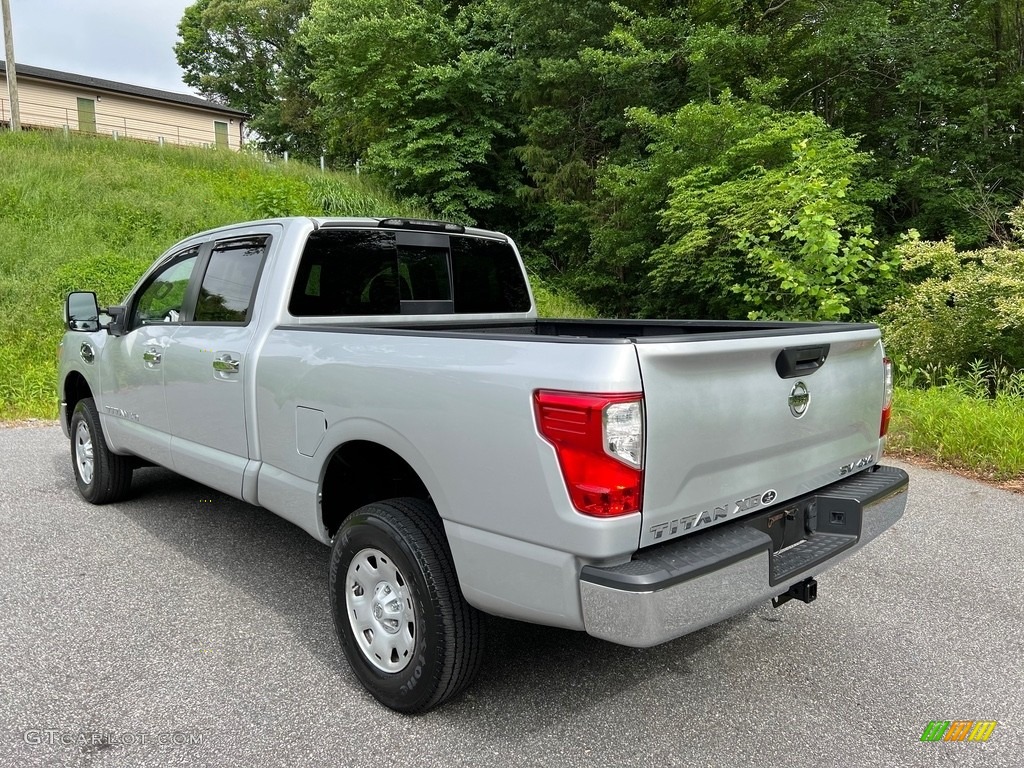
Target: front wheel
408,633
102,476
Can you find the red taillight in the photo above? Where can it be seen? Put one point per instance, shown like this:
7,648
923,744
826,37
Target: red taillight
886,396
599,441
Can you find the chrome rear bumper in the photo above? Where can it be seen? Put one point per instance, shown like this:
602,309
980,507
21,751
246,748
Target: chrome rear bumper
684,585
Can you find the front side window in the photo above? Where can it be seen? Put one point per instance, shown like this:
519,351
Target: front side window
163,298
226,295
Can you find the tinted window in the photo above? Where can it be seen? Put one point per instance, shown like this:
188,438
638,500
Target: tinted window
364,272
162,299
347,272
487,277
423,273
230,281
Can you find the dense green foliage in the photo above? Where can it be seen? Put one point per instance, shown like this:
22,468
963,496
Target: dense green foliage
243,53
698,158
958,307
751,212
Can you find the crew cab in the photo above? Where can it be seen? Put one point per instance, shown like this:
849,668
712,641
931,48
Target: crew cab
387,386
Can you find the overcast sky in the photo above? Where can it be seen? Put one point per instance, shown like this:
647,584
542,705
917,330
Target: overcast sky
131,41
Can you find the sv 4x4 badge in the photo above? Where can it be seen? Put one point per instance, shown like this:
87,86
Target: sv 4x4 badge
716,514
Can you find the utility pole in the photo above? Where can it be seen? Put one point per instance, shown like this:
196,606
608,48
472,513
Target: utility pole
12,75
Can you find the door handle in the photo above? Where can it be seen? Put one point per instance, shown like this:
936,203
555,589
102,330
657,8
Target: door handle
800,361
225,365
152,357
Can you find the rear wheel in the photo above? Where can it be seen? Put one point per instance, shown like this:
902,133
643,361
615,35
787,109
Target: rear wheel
408,633
102,476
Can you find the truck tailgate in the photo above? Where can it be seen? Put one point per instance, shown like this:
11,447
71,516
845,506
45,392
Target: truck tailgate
729,433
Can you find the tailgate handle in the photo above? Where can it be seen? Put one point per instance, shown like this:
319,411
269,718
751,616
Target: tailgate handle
800,361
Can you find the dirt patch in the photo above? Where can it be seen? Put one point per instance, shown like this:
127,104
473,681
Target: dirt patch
17,423
1015,485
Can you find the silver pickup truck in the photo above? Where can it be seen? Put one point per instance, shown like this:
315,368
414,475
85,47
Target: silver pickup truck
387,386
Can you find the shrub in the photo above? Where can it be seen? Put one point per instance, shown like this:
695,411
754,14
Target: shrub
959,306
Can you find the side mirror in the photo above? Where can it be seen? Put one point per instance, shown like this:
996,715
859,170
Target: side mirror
81,312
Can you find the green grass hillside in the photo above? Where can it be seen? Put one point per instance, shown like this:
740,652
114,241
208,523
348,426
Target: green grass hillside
91,214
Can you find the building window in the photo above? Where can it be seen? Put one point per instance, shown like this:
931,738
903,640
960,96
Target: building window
220,134
86,115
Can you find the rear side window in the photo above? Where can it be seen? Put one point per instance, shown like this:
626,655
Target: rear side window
226,294
347,272
381,272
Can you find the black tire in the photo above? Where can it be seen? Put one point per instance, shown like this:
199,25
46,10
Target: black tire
102,476
433,646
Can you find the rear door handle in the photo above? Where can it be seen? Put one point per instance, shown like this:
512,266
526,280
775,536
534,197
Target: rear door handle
224,363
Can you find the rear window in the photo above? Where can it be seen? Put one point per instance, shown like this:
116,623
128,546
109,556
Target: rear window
487,277
381,272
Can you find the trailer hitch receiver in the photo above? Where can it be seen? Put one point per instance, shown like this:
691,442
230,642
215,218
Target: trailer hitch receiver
805,591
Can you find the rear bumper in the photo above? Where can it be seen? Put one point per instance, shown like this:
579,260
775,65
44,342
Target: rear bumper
681,586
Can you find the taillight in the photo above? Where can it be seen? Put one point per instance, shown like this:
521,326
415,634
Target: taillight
886,396
599,440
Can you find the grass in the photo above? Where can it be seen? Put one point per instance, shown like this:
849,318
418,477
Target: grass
552,303
89,213
971,421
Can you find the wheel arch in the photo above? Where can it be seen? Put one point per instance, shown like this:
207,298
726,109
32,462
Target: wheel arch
359,472
75,389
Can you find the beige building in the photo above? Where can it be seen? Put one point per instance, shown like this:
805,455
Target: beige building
52,99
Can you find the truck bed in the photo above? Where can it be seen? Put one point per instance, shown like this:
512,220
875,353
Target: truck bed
569,330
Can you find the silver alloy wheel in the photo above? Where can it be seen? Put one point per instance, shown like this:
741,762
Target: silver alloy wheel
380,610
84,453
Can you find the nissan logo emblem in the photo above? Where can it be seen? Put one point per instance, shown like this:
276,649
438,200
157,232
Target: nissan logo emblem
799,399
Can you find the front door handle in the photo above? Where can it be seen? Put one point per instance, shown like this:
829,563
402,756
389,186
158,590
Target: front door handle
152,357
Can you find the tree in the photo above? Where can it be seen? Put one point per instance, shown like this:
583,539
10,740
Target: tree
738,210
243,53
435,121
959,306
935,90
704,157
